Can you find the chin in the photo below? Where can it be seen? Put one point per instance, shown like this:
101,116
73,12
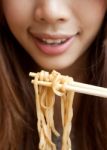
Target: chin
57,67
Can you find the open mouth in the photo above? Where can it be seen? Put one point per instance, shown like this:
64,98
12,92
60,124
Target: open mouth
53,42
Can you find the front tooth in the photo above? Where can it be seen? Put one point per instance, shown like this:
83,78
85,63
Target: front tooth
50,41
58,41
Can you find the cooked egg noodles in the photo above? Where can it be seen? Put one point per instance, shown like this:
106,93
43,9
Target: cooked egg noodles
45,101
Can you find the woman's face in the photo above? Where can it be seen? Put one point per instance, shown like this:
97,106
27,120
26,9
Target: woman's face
55,32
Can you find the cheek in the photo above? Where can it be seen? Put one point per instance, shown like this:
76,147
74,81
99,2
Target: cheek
16,12
90,10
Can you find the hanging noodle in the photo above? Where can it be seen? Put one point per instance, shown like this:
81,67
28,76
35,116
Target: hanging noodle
45,100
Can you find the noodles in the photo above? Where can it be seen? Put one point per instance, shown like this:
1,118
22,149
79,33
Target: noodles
45,100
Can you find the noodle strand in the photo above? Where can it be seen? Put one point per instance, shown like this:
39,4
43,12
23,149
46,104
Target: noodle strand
45,101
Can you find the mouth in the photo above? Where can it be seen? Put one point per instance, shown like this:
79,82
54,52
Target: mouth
53,44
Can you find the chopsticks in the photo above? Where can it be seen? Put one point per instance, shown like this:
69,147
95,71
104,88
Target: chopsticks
77,87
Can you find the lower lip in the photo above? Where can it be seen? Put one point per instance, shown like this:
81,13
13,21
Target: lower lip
54,49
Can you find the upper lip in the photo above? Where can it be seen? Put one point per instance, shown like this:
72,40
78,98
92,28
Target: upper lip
52,36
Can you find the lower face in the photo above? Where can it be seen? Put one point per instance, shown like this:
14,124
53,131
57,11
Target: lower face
55,38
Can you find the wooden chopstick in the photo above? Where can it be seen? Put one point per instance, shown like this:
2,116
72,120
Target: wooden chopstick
78,87
87,89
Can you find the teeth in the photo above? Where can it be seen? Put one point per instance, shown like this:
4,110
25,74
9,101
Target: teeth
51,41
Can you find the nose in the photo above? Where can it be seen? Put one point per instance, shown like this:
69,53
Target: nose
51,11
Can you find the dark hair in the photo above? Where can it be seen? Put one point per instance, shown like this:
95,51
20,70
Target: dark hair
90,123
17,106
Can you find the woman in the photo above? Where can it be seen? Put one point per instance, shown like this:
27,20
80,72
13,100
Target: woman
69,36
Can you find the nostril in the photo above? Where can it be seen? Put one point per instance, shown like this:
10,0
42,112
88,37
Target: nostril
61,19
51,20
42,19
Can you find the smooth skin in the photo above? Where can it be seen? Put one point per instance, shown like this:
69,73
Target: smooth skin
80,18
